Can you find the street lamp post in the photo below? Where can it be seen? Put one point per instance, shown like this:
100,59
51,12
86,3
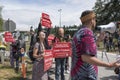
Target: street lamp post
60,16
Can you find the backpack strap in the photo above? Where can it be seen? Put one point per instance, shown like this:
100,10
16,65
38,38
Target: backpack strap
39,49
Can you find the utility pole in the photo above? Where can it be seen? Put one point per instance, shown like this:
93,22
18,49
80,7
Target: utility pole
60,10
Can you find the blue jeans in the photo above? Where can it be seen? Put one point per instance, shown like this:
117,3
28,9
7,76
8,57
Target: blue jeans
12,59
59,68
119,76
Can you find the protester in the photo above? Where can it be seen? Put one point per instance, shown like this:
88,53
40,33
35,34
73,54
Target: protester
59,62
3,44
3,47
107,43
13,51
119,42
38,53
20,43
22,62
34,40
84,55
67,65
111,42
14,55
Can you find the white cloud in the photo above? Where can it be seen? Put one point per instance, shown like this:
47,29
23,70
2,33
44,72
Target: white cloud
74,1
26,15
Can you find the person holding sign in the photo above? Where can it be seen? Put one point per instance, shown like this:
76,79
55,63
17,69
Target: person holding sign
84,50
59,62
38,72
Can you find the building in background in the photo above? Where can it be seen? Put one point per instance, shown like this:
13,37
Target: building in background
9,25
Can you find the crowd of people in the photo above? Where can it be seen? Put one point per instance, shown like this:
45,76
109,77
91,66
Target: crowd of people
110,43
84,52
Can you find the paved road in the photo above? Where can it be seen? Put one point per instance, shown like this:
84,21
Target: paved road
103,73
107,73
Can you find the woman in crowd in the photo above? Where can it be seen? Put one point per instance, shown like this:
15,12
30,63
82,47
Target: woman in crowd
38,53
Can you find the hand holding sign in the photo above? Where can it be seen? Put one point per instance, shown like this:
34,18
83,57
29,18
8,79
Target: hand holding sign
8,37
48,58
45,21
62,49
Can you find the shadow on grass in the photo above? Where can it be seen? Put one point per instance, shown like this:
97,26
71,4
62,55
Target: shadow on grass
15,78
5,67
18,78
29,73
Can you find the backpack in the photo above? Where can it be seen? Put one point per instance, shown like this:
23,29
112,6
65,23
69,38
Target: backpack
31,53
32,44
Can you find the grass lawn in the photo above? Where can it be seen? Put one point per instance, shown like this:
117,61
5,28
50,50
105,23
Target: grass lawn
8,73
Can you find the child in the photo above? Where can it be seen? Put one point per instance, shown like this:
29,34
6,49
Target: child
22,62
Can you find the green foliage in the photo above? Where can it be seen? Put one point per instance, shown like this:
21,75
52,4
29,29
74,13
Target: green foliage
107,11
1,20
68,29
1,23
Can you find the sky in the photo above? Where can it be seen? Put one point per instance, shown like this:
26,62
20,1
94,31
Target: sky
26,13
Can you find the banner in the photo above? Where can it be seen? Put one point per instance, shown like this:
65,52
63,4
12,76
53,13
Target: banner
45,16
48,59
50,39
46,24
7,34
62,50
45,21
8,37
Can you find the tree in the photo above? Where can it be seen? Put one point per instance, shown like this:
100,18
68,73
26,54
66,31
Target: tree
107,11
1,20
1,23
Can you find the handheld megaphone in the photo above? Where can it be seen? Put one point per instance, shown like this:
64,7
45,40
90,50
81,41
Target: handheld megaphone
111,27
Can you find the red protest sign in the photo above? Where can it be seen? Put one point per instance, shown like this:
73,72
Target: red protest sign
8,37
48,59
45,21
45,16
50,39
62,50
7,34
